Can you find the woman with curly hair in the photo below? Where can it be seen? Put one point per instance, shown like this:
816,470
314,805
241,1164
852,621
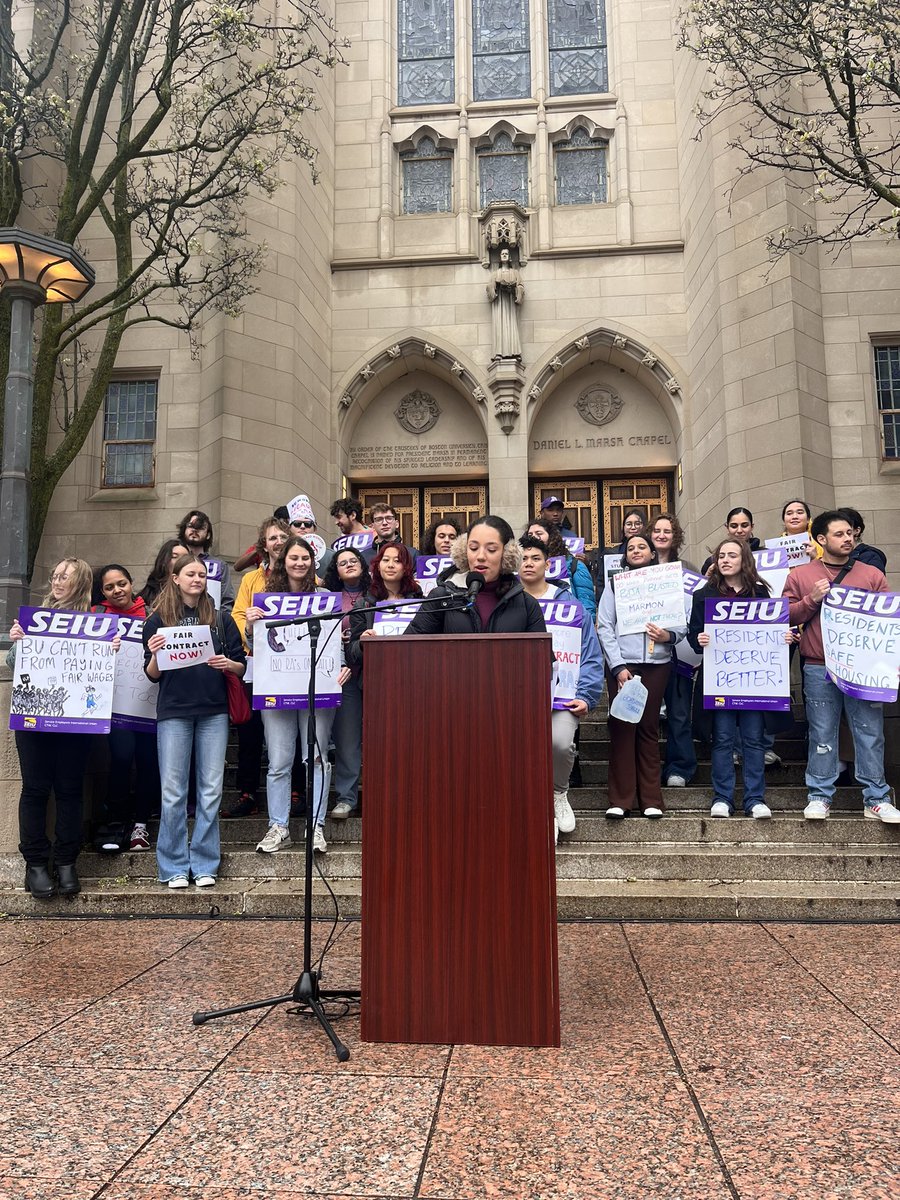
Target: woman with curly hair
502,605
580,580
295,571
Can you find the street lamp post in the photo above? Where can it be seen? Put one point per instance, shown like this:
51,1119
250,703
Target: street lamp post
34,270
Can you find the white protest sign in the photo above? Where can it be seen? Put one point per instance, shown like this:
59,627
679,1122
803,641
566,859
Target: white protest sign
794,545
773,566
134,695
649,594
393,621
65,668
747,664
428,567
282,657
215,571
563,619
612,565
861,636
318,546
186,646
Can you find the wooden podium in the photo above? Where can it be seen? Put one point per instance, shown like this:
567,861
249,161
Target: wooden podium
458,861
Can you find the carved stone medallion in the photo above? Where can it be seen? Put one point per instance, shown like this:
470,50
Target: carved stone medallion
417,412
599,405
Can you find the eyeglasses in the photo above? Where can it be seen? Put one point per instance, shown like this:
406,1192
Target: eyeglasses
386,517
59,578
303,524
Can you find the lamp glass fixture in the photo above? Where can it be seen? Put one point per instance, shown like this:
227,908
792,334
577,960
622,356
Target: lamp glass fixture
53,266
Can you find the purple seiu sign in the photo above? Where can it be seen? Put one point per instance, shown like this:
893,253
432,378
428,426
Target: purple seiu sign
563,617
281,655
557,568
746,664
428,567
134,695
861,637
353,541
574,545
391,622
65,671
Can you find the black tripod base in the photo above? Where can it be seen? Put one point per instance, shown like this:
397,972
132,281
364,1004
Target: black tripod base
307,996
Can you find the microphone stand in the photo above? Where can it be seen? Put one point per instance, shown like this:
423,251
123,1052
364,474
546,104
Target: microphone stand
306,993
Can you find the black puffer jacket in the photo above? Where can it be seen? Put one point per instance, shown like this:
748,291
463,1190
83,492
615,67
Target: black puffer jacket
516,612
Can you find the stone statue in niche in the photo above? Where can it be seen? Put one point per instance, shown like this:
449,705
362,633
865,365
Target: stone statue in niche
506,291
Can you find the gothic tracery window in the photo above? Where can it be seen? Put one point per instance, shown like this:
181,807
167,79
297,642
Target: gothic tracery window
581,169
503,172
501,49
577,30
427,178
426,47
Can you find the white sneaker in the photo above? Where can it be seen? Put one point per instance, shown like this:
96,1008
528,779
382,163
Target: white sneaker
555,832
816,810
615,813
276,837
760,812
771,758
319,842
736,759
562,809
341,811
180,881
653,813
720,809
205,881
885,811
676,781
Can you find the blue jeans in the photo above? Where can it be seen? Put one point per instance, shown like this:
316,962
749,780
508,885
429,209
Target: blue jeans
175,738
681,757
824,702
282,725
725,728
347,735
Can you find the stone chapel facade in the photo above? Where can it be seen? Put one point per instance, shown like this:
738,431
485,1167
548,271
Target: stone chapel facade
520,274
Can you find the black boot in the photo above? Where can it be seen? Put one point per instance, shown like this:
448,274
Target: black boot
69,884
38,881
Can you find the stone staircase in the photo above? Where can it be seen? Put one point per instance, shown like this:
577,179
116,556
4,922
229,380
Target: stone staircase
687,865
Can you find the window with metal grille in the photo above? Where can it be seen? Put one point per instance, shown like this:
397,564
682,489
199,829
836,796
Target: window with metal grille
887,389
129,433
581,170
503,172
427,178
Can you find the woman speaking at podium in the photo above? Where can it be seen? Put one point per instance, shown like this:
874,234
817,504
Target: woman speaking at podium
487,559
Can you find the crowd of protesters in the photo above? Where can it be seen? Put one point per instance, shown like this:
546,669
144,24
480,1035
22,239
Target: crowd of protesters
177,772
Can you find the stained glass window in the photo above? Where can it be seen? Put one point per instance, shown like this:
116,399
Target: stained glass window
129,433
425,38
502,49
577,30
427,178
581,170
887,389
503,172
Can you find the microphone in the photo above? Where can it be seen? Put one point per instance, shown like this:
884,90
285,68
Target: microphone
474,584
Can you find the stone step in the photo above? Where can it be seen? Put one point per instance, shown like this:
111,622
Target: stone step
679,825
781,798
655,855
699,899
781,774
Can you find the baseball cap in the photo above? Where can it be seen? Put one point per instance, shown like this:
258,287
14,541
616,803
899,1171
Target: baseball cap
550,501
